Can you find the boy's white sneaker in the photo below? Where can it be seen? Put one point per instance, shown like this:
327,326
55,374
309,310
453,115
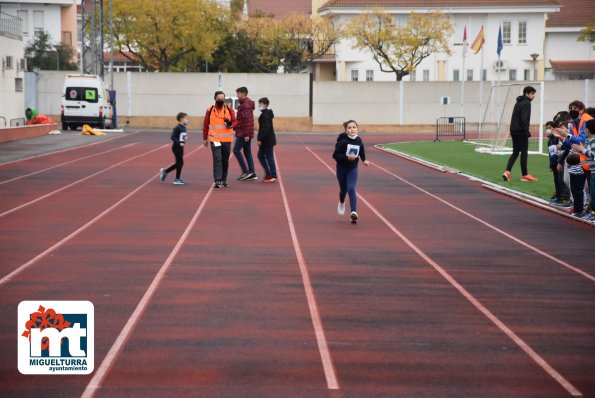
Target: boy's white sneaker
341,208
354,217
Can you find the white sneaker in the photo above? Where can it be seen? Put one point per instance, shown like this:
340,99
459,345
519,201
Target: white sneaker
341,208
353,217
162,174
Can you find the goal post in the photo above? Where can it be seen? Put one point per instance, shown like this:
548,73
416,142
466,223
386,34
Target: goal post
494,123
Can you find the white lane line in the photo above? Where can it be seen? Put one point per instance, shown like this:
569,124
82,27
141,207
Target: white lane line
78,182
325,355
65,163
493,227
68,149
475,302
72,235
116,348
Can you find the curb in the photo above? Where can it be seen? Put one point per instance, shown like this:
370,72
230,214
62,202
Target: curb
520,196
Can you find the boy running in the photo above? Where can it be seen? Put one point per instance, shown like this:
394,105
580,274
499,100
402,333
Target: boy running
178,136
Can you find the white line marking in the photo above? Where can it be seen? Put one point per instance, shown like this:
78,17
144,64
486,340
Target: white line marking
68,149
78,182
65,163
106,364
476,303
23,267
493,227
325,355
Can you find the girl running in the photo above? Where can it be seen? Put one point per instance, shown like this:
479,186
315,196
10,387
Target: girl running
348,150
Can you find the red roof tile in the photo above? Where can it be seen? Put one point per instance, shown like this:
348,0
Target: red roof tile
573,66
280,8
438,3
573,13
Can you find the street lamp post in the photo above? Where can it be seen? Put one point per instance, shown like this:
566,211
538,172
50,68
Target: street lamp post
534,57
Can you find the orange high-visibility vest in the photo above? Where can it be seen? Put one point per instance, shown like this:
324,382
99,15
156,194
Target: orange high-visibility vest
218,131
576,132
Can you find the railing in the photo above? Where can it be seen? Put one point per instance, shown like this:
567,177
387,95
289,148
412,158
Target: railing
450,127
10,26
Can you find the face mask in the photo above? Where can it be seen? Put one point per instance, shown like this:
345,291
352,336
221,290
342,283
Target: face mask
574,114
219,102
185,122
548,131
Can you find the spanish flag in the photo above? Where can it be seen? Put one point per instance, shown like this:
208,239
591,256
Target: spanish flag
478,42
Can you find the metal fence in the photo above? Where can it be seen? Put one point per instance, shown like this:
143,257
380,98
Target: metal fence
17,122
10,26
450,126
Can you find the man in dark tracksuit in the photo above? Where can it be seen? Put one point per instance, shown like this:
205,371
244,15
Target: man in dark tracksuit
519,131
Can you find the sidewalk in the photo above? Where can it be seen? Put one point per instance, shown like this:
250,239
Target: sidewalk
21,149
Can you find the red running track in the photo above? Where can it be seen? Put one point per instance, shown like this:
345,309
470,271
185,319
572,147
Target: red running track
442,289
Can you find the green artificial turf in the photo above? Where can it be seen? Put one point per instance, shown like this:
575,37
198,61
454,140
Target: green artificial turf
461,156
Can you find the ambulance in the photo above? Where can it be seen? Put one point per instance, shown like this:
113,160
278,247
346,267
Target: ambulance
85,100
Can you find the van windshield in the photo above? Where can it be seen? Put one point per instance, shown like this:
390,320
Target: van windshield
88,94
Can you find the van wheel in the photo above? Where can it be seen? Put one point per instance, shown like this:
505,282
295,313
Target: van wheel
72,126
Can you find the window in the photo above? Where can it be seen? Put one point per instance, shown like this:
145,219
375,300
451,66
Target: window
512,74
88,94
469,74
522,32
38,21
24,16
354,75
455,75
506,30
18,84
484,74
8,62
527,74
413,76
369,75
426,75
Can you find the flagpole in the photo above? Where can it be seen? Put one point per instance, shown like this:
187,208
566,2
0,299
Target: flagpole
463,75
481,90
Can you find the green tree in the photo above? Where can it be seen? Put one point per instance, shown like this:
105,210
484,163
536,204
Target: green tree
169,36
400,48
588,34
42,54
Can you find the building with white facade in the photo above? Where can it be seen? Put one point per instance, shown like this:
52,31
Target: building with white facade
523,24
565,57
12,74
57,17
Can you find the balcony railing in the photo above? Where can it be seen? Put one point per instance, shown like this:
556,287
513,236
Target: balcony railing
10,26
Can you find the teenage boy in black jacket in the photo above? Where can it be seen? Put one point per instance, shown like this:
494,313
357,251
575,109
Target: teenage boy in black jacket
266,140
519,131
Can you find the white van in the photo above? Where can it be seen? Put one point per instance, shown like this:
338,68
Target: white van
85,101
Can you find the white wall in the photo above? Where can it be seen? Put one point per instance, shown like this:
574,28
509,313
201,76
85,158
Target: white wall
51,18
12,102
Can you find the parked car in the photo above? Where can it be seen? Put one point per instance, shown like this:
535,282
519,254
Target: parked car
85,100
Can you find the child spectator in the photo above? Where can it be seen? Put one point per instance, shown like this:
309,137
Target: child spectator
588,149
266,140
178,136
348,150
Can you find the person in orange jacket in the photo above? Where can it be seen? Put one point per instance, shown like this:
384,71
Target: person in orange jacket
34,117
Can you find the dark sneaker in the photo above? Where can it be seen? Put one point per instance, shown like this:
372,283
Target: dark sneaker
225,184
251,177
162,174
243,177
354,217
179,181
217,185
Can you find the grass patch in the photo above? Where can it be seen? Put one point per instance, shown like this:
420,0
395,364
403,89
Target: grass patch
461,156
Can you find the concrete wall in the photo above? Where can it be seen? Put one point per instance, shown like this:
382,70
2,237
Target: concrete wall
23,132
156,97
12,101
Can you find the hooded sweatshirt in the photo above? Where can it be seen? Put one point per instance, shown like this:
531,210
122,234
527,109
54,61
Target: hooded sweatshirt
245,117
340,154
36,118
266,131
521,116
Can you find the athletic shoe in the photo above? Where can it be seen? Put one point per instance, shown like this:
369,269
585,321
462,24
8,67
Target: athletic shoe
225,184
179,181
251,177
506,176
565,203
217,185
266,178
272,179
162,174
555,201
243,177
585,215
341,208
528,177
354,217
